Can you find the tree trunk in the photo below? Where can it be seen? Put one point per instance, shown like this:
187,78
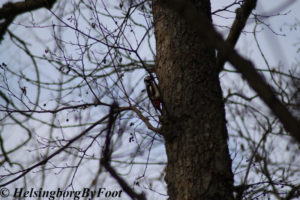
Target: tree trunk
199,164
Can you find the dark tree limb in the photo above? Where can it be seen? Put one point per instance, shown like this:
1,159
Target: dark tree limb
242,14
10,10
206,30
105,161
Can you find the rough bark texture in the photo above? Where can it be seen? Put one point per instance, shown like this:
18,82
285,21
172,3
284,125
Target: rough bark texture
199,164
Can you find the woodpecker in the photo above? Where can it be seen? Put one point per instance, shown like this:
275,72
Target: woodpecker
153,92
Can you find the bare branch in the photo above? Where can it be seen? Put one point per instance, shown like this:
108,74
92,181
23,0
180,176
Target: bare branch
10,10
107,153
44,161
242,14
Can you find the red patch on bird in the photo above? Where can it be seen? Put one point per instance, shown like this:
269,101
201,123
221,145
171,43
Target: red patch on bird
157,103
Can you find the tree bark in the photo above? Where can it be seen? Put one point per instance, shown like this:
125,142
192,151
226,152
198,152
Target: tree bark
199,164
